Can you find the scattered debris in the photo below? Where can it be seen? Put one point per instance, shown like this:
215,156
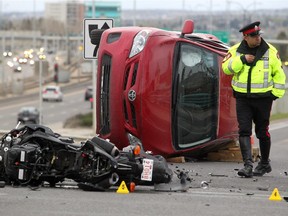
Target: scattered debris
218,175
181,186
204,185
249,194
236,190
264,188
34,188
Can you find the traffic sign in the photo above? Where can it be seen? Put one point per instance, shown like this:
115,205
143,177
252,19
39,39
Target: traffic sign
89,26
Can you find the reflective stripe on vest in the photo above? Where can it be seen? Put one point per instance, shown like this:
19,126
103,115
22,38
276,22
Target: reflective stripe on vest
265,67
253,85
230,63
265,83
279,86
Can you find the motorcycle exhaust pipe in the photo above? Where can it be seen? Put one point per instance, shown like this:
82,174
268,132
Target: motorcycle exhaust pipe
109,147
113,179
106,183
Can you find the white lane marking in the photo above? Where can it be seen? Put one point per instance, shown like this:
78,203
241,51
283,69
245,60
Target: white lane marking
278,125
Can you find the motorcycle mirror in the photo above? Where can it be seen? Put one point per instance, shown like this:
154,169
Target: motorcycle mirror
18,125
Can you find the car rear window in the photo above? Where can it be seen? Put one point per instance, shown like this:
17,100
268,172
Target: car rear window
28,110
51,89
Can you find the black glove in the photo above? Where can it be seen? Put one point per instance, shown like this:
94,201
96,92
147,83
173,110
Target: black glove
274,97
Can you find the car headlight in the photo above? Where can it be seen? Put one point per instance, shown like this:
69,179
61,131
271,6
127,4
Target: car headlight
139,42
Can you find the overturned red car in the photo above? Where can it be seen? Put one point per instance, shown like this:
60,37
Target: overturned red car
164,90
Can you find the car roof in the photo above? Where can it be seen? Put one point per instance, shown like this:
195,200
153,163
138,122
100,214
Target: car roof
29,108
52,87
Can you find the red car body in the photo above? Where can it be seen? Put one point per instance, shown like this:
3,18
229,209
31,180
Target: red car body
165,90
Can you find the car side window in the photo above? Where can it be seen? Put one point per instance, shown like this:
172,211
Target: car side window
197,95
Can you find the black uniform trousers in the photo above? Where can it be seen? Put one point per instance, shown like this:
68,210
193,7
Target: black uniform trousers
255,110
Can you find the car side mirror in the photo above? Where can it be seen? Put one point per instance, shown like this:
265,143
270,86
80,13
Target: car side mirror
188,28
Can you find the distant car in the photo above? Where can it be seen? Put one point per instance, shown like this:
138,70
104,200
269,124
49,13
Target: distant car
88,93
52,93
17,67
28,115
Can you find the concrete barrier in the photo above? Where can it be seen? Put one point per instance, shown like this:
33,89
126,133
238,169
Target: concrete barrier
63,76
280,106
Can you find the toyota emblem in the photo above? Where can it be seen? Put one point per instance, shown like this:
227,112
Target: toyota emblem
132,95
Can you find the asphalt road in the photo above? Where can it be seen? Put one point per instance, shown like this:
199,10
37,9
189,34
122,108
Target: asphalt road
54,113
226,194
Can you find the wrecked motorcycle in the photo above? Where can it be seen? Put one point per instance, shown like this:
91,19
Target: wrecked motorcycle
34,154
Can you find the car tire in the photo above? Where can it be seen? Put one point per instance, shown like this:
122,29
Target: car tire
95,36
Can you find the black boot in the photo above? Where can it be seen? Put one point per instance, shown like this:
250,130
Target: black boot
246,171
264,164
262,168
245,146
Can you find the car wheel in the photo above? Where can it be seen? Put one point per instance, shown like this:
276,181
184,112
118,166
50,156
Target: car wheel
95,36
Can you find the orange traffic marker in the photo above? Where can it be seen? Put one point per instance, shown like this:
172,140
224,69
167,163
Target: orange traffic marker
275,196
122,188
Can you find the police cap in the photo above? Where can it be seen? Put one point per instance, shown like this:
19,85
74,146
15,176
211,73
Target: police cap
251,29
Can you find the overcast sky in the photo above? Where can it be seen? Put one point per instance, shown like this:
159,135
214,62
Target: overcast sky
196,5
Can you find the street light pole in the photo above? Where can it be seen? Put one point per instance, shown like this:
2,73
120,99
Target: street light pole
34,24
183,14
134,12
245,10
228,19
211,16
40,90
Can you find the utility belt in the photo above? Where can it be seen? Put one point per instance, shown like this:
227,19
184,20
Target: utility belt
267,94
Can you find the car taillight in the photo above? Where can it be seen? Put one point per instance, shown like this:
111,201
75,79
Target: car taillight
55,92
44,92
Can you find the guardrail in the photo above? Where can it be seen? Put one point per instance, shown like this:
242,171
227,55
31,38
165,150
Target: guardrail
280,105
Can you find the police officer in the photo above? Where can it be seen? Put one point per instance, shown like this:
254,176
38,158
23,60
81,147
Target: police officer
258,79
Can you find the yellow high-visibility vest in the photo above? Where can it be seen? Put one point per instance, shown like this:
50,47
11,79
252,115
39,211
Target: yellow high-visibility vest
266,75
